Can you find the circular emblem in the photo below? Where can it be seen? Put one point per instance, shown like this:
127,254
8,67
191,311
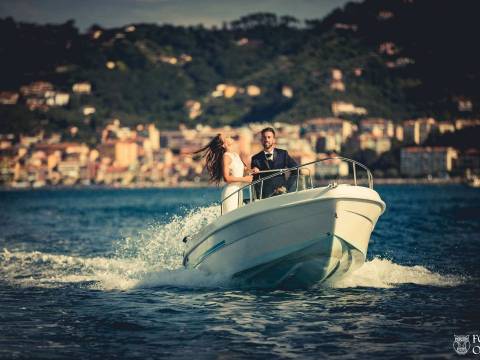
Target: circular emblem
461,344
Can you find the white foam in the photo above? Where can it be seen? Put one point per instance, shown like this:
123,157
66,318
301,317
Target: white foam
153,258
48,270
161,244
384,273
182,278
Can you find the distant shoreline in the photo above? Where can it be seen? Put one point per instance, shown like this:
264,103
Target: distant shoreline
193,185
434,181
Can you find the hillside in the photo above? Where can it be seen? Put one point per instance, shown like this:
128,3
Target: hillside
396,59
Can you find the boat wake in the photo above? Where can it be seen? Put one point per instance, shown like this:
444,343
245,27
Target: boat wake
154,259
383,273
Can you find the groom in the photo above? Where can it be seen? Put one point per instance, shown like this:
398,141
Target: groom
271,158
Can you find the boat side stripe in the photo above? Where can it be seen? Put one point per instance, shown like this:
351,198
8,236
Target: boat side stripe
361,215
210,251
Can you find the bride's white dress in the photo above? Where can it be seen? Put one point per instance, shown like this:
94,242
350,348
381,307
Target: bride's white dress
236,169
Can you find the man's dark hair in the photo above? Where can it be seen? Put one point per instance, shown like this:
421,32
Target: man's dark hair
268,129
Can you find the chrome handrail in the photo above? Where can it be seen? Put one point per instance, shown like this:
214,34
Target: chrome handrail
283,171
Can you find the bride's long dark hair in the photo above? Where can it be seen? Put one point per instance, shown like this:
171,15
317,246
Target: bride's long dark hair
213,155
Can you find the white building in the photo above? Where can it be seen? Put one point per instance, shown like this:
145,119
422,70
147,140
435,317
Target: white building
341,107
333,168
82,88
378,127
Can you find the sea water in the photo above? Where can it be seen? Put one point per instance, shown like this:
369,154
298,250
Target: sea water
97,274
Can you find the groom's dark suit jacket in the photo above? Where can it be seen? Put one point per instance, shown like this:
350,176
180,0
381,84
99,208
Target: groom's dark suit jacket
281,160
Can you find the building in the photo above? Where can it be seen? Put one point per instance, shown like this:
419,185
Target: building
287,91
8,97
445,126
332,168
185,58
28,141
88,110
425,161
126,153
463,123
69,170
57,98
245,140
379,144
230,91
341,107
82,88
378,127
336,82
464,105
194,108
385,15
399,133
417,131
327,141
6,141
331,125
37,88
302,157
154,137
253,90
117,175
469,161
168,59
388,48
411,132
224,90
36,104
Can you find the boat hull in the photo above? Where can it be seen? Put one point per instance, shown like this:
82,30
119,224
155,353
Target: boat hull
294,240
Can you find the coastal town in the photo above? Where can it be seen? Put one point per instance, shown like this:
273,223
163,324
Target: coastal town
145,156
239,179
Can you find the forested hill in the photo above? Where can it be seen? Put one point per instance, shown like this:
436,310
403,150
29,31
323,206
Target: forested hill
398,59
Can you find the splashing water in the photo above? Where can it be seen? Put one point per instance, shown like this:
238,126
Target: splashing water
383,273
154,258
160,245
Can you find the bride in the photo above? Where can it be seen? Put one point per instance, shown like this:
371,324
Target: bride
223,163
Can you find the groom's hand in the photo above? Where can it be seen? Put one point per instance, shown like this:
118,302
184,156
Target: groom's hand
255,171
280,190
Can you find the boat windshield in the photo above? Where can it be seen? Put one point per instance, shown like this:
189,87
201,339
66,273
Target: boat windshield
332,170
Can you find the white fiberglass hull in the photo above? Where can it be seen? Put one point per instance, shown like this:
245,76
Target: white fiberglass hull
293,240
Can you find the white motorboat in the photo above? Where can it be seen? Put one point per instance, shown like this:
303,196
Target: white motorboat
473,181
293,240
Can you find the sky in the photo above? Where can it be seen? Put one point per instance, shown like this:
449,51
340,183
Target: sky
113,13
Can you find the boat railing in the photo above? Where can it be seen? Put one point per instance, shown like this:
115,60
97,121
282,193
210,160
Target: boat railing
301,175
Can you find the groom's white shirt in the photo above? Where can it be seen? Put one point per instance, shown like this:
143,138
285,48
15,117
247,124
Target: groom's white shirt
272,152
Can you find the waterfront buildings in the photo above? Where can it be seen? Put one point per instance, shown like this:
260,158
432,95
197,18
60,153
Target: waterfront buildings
427,161
145,155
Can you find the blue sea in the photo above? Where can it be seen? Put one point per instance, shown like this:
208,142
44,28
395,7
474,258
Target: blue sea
96,274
